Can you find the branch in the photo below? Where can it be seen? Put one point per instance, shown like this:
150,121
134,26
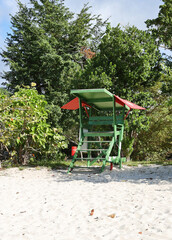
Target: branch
70,140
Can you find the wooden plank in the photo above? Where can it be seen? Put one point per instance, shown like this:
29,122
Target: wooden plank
98,118
118,106
80,117
94,94
99,100
96,141
93,149
100,123
100,158
119,119
94,91
97,134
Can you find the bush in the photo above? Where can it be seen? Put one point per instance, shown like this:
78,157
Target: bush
25,134
155,143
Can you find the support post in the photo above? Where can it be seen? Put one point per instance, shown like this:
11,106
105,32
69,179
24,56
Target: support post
114,123
80,118
89,144
114,118
121,138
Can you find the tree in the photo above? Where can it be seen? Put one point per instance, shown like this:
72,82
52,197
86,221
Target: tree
161,26
45,47
127,63
35,48
50,47
127,60
158,144
155,142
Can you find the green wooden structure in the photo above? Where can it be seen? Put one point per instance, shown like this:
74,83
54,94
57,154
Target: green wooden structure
105,109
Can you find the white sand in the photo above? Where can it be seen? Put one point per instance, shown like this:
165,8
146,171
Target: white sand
52,205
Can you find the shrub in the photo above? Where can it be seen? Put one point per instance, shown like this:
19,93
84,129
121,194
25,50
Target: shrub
25,134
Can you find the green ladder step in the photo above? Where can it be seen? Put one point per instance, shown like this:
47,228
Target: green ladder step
94,134
96,141
89,158
92,149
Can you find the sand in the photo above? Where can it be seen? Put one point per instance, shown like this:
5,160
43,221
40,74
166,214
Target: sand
133,203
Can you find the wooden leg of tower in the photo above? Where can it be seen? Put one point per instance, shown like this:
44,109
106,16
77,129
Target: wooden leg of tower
108,154
111,166
89,156
119,147
73,162
103,166
75,156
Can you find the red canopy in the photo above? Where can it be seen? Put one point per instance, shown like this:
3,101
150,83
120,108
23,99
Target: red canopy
129,104
74,104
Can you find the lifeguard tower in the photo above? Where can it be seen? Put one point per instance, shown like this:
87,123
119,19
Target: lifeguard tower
103,110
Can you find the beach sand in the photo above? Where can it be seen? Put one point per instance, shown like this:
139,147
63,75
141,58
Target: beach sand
132,203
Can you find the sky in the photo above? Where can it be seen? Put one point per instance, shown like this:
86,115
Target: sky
132,12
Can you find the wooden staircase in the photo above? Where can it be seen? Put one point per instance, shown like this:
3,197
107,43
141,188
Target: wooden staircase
100,150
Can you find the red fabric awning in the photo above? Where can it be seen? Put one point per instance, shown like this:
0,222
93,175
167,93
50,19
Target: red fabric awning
74,104
129,104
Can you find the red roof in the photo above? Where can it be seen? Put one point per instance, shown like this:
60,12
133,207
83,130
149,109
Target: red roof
129,104
74,104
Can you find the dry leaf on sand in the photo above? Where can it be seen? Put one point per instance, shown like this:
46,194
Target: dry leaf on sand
112,215
92,212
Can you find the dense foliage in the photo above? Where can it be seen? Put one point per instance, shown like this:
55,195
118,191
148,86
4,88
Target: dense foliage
59,51
127,60
127,64
24,132
155,143
161,26
45,47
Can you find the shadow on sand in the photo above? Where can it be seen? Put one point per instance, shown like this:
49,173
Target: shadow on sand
152,174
